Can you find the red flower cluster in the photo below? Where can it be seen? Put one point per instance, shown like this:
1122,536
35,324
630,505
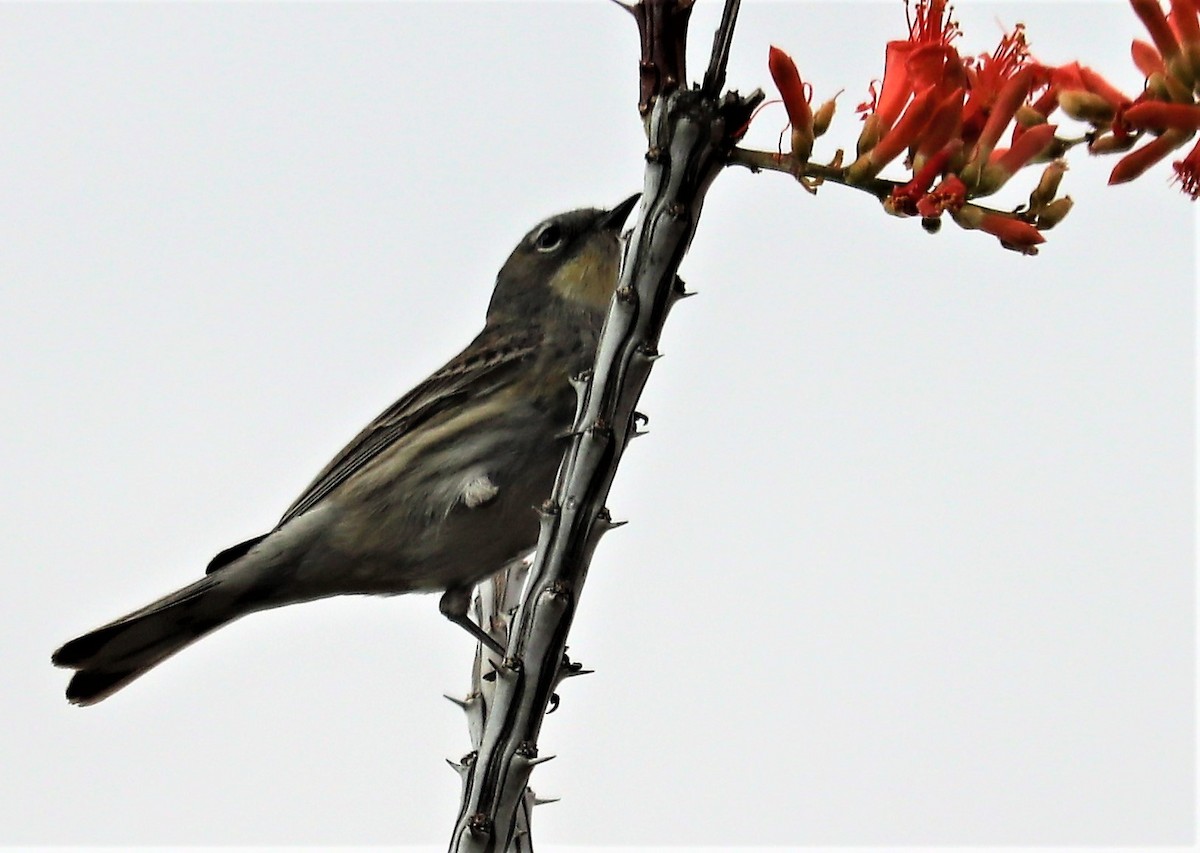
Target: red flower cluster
1166,109
947,115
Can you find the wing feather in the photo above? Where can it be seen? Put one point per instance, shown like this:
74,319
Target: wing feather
489,360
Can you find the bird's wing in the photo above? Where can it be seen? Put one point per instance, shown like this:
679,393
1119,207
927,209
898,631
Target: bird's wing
490,359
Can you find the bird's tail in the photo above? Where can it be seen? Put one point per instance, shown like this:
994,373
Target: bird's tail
108,658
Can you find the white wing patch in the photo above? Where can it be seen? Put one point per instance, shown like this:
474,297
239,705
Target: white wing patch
479,491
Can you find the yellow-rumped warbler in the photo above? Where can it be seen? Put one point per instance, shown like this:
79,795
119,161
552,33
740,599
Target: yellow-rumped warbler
436,494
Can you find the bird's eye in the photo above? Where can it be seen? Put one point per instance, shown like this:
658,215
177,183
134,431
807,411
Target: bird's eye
549,238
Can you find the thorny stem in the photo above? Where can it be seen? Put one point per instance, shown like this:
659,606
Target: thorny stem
691,134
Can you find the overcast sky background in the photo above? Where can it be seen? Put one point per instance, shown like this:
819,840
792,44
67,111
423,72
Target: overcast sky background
911,549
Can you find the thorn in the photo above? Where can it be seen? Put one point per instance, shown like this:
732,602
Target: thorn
581,379
679,290
534,762
462,703
568,668
552,705
505,669
545,801
463,767
604,518
641,418
649,353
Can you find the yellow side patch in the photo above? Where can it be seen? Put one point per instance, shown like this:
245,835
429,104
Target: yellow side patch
591,278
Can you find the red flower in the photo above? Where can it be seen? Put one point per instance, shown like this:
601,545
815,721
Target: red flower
1156,24
1013,233
1139,160
950,194
1187,173
1004,164
1176,38
795,101
916,62
988,75
944,126
895,141
1157,115
905,200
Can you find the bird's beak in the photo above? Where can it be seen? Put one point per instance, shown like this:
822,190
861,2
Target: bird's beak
615,218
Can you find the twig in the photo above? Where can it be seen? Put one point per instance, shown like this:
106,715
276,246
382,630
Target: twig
880,188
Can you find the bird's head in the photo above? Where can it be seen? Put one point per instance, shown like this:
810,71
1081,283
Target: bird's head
569,261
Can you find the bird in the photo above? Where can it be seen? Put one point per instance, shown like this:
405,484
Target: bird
436,494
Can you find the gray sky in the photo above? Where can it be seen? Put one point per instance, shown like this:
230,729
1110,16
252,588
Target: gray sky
911,549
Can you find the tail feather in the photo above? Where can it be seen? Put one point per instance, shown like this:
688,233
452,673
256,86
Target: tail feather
110,657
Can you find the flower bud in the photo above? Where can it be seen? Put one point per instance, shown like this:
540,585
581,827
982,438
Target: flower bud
1054,213
823,116
1047,187
870,134
1110,142
1086,106
1027,116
